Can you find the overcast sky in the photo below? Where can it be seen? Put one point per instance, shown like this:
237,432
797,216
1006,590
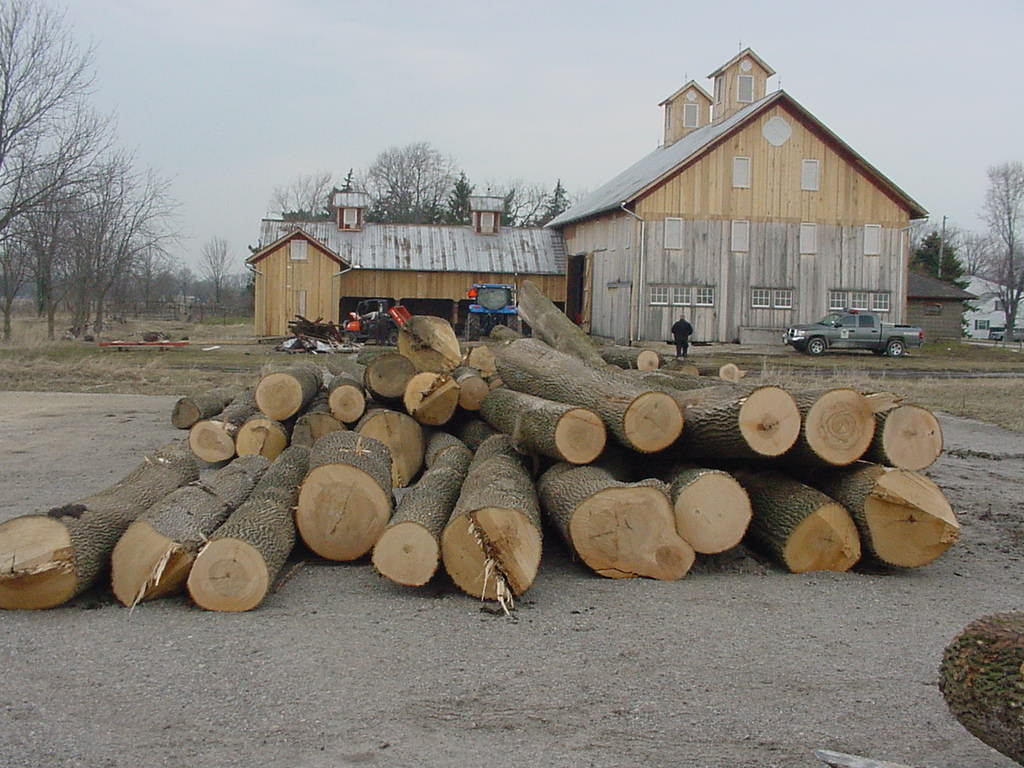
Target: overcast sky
231,98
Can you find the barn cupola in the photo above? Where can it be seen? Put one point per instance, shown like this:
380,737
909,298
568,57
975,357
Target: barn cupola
351,207
740,81
685,110
486,211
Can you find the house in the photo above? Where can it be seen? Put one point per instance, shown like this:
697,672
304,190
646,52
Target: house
936,307
324,268
987,310
751,215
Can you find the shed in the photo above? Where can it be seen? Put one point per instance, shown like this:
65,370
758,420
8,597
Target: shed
936,306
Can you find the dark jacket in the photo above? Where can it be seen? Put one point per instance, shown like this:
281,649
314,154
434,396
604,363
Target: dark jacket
682,329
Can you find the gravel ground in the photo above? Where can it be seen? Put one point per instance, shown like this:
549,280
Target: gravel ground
739,664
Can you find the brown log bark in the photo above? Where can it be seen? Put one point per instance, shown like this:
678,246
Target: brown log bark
504,333
553,327
202,405
473,432
636,358
213,440
439,442
557,430
430,343
402,434
751,423
315,422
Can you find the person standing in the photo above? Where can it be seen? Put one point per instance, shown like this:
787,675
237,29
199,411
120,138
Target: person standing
681,332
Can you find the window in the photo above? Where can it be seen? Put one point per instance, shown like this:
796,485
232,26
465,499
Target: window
860,300
673,233
999,306
300,303
848,321
659,294
705,297
761,298
297,250
933,309
718,89
872,239
837,299
782,298
744,88
866,321
691,115
486,223
681,294
809,175
741,172
880,302
349,218
981,325
808,238
741,236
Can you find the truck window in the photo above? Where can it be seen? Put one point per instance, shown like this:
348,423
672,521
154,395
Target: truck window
867,321
849,321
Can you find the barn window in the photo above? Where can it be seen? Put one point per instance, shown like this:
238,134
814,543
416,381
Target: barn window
691,115
880,302
741,172
837,299
761,298
349,218
741,236
681,295
300,303
808,238
673,233
860,300
486,223
705,297
872,239
659,294
744,88
718,89
782,298
297,250
809,175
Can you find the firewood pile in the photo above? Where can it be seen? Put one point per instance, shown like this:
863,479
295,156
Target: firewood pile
316,336
432,458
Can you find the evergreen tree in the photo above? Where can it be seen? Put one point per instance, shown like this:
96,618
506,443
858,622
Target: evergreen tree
457,209
925,260
557,203
346,185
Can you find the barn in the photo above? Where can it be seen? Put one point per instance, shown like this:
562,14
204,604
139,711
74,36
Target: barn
936,307
751,216
324,268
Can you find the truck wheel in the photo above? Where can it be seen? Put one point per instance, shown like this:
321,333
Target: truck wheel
816,346
895,348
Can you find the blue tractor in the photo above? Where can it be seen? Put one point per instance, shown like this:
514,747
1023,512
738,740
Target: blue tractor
492,304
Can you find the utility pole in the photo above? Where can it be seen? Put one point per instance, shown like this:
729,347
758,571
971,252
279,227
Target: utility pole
942,241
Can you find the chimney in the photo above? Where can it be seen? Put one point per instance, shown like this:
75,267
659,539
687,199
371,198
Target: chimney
351,207
740,81
686,110
486,210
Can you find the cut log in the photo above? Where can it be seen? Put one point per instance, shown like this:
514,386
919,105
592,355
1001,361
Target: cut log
431,398
430,343
639,418
473,432
45,560
345,501
213,440
491,546
636,358
679,365
504,333
557,430
346,397
712,511
409,550
906,436
981,680
315,422
263,436
620,530
202,405
403,435
386,377
838,426
438,443
802,528
758,423
481,357
553,327
345,365
367,355
473,388
235,570
903,517
154,556
283,392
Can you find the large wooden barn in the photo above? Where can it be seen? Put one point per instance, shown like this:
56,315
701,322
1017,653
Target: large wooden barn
752,215
324,268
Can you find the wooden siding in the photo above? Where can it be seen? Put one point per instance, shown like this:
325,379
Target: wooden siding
437,285
946,324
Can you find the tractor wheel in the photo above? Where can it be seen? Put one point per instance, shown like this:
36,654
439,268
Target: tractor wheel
392,339
472,327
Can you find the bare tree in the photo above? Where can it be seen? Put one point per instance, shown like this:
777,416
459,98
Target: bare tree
307,197
1004,213
14,271
975,251
524,202
214,262
410,185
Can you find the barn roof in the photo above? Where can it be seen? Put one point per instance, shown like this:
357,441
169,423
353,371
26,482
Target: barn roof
668,160
927,287
429,248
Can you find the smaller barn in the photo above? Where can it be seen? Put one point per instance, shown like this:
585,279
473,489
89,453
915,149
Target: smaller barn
936,307
324,268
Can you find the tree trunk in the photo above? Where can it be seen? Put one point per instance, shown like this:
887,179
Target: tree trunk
346,397
504,333
154,556
906,436
315,422
800,527
409,550
262,436
636,358
387,376
472,387
213,440
235,570
345,500
430,343
402,435
188,410
903,517
431,398
284,392
620,530
45,560
980,678
491,546
559,431
639,418
553,327
740,424
679,365
482,358
367,355
473,432
838,426
712,511
438,443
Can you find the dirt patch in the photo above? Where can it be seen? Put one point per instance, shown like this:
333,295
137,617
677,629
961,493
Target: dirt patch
739,664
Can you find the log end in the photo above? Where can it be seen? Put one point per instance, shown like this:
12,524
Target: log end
212,440
839,426
769,421
472,391
431,398
261,436
37,563
826,540
713,512
490,546
648,360
403,435
407,554
279,395
229,575
910,520
185,413
341,511
911,437
580,436
652,422
347,403
146,565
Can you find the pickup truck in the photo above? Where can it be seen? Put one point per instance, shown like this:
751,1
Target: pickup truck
853,329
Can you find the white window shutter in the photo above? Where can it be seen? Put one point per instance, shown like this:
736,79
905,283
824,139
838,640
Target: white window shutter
745,88
872,239
673,233
809,175
350,217
691,115
740,236
741,172
486,222
297,250
808,238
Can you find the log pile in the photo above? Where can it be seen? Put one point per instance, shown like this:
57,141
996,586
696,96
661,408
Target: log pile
429,461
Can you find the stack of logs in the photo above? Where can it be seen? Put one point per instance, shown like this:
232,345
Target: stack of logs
640,464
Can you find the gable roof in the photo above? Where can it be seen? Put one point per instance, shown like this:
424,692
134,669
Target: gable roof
667,160
740,55
692,84
927,287
293,231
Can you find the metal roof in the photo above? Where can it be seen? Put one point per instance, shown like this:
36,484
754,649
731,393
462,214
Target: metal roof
431,248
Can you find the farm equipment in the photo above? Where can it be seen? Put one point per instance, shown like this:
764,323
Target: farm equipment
377,320
493,304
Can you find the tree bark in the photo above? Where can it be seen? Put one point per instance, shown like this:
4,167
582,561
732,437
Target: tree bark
45,560
559,431
403,435
712,511
553,327
636,358
213,440
431,398
315,422
430,343
284,392
758,423
906,436
473,432
504,333
482,358
202,405
438,443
